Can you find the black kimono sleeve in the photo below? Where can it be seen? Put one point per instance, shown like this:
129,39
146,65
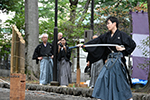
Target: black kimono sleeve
36,54
128,43
95,53
68,53
52,50
87,59
94,41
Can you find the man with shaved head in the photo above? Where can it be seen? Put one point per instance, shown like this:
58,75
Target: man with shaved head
60,35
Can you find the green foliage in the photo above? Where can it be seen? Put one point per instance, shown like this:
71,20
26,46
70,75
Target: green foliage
18,20
73,31
47,27
4,42
9,5
46,12
119,9
19,17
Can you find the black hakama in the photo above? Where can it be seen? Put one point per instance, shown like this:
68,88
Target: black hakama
64,66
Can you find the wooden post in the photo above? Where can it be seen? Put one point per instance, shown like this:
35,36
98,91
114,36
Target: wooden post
78,66
17,77
78,84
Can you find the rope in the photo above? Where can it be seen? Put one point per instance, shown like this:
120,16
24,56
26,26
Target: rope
19,57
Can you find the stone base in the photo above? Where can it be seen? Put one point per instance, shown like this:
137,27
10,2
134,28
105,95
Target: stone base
17,86
84,92
78,85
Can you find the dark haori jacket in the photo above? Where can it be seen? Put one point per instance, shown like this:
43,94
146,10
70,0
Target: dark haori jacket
42,51
64,54
119,37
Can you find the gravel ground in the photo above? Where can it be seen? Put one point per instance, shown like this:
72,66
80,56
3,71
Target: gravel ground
4,94
42,95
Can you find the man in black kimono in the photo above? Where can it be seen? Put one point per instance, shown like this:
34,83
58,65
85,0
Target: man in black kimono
43,53
112,81
64,54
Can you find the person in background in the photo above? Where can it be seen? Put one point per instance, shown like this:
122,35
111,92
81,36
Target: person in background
43,53
88,62
60,35
96,67
64,54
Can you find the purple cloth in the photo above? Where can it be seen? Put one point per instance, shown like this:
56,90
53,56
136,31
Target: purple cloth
138,70
140,26
140,23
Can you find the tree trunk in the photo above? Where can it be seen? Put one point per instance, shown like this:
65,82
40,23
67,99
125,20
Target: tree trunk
31,35
73,6
146,88
85,10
